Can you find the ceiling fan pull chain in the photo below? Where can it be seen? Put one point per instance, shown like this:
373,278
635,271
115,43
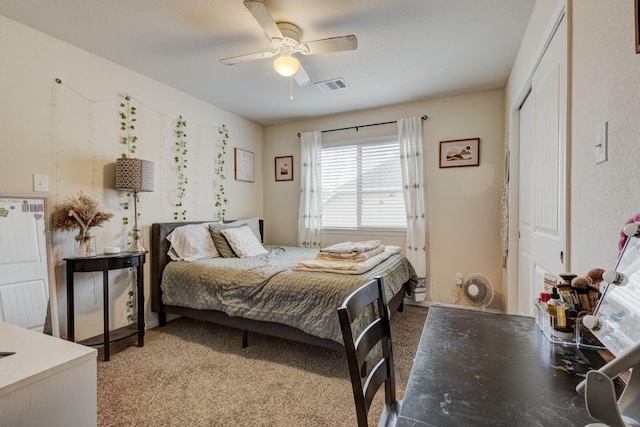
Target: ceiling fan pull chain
291,88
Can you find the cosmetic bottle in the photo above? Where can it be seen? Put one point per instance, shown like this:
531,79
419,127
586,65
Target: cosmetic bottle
557,310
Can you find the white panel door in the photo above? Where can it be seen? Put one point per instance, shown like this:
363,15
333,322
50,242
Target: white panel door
526,168
24,278
543,173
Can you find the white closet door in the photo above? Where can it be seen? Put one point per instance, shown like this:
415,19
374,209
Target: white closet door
24,278
525,263
543,173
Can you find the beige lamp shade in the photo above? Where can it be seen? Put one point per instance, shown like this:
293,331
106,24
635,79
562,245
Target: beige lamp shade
134,175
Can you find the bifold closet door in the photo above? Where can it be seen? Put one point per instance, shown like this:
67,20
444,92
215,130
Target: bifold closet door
543,173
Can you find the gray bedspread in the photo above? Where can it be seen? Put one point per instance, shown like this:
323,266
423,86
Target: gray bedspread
265,287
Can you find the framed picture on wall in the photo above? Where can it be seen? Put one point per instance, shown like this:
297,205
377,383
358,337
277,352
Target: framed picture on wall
284,168
244,166
459,153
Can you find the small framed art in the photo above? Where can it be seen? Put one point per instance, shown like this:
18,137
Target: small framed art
284,168
459,153
244,167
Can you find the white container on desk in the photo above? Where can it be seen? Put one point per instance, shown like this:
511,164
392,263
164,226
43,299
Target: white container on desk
47,382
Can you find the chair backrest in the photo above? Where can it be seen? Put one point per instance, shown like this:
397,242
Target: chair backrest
368,301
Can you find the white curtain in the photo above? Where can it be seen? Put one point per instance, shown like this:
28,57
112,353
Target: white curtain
310,214
414,189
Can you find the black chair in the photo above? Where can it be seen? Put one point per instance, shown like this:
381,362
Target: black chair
369,301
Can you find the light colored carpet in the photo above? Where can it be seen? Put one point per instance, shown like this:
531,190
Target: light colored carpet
192,373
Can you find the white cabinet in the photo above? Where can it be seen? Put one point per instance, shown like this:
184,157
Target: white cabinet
47,382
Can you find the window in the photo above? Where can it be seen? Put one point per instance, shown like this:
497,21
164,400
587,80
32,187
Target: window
362,185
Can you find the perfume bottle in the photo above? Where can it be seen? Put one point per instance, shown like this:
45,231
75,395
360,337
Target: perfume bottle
557,310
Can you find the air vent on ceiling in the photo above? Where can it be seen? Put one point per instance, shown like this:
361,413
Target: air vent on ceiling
332,85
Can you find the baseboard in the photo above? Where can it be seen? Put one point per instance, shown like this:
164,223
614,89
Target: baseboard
152,324
155,322
411,301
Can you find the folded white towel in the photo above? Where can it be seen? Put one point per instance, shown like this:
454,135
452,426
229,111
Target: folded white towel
352,247
346,267
351,256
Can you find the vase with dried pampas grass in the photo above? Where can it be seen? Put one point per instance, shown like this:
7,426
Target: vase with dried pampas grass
81,212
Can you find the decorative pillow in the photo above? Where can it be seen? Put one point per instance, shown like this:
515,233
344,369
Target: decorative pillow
220,241
243,241
253,223
191,242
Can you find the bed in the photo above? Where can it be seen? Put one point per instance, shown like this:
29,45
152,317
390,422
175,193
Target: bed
263,294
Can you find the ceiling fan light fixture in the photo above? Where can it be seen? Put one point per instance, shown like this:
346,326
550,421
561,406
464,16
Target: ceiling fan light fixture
286,65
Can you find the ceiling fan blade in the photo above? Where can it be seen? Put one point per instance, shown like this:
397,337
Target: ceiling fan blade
332,44
246,58
264,18
302,78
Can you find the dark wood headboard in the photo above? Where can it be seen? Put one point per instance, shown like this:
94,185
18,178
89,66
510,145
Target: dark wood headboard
160,258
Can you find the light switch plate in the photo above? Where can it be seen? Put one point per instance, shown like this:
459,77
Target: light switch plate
602,137
40,183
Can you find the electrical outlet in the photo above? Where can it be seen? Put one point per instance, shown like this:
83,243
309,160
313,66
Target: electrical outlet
459,278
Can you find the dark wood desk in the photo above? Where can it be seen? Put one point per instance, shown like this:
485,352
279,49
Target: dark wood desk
476,368
105,263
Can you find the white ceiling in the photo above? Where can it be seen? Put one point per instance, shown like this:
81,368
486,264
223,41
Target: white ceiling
408,50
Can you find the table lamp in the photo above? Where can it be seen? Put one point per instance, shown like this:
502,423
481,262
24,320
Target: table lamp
134,175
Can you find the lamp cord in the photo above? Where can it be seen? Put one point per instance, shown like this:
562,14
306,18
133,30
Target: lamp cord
135,210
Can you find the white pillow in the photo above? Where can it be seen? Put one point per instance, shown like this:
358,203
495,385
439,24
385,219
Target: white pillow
243,241
253,223
191,242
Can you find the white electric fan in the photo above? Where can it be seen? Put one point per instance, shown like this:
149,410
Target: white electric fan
477,290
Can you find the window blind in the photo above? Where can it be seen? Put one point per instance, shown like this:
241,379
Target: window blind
362,186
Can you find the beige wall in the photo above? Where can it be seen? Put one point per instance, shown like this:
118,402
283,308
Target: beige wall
75,144
533,43
606,88
463,203
604,83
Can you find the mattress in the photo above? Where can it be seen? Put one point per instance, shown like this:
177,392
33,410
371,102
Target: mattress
266,288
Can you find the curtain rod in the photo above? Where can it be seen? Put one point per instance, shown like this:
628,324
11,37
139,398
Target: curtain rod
425,117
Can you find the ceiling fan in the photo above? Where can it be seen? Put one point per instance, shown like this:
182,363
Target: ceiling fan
285,42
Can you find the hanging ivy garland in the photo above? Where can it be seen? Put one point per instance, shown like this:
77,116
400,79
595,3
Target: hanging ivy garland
127,125
221,198
181,164
127,114
129,140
